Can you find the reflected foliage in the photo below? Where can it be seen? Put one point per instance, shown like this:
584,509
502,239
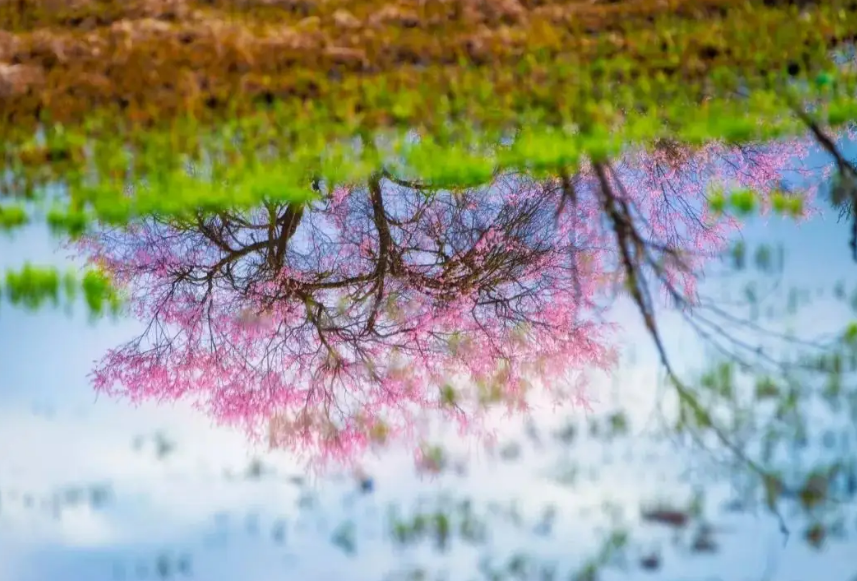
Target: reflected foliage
336,325
787,408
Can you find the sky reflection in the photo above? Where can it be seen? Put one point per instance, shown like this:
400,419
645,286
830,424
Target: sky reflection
177,497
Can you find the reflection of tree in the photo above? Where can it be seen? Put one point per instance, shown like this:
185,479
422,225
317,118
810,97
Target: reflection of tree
712,410
785,414
315,311
339,321
843,190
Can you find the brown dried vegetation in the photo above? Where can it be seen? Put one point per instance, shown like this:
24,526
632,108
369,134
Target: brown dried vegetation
151,60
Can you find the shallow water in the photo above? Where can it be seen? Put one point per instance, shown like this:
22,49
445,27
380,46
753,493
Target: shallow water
97,489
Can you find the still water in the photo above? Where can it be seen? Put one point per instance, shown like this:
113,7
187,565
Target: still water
99,488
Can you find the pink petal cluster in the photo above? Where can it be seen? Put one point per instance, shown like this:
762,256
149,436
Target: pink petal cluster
333,327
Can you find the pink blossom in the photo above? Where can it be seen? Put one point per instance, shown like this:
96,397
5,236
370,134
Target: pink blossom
331,328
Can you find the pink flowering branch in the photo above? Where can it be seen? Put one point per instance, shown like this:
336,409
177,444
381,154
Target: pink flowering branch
333,327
